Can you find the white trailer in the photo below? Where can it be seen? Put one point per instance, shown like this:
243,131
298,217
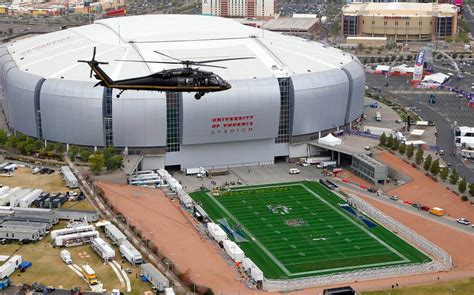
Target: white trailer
69,177
464,141
315,160
130,253
26,201
71,230
467,154
103,249
216,232
327,164
75,239
15,200
154,276
9,267
192,171
378,131
5,199
114,234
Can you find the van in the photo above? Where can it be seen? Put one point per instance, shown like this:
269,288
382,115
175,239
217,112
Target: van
378,116
294,171
437,211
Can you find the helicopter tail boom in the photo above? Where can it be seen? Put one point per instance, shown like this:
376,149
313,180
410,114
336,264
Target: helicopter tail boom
105,80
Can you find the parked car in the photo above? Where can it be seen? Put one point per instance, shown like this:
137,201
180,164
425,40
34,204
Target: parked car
372,190
394,198
425,208
416,205
463,221
407,202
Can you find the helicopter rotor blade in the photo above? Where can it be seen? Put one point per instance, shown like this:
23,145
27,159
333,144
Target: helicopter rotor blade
211,66
168,56
94,52
221,59
151,61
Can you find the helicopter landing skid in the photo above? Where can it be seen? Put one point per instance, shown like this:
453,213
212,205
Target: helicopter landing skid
198,95
120,93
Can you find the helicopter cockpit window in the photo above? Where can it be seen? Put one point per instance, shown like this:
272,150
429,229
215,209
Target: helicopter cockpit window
213,80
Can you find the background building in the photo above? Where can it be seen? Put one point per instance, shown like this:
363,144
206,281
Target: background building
296,26
293,91
401,21
239,8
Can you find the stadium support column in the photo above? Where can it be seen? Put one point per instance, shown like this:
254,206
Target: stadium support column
285,111
107,117
349,96
37,94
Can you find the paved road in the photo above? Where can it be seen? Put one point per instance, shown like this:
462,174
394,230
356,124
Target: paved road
448,221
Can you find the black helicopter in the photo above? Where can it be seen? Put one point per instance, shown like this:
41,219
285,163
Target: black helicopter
186,79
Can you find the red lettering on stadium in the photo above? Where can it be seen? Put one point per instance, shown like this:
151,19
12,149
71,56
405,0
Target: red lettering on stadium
232,124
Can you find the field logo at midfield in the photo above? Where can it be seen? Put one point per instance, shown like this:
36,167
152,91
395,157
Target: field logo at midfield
279,209
257,191
296,222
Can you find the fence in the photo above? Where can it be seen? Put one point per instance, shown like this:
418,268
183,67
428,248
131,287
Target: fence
442,261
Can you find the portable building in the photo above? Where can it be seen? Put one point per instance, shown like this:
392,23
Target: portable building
71,214
114,234
256,274
216,232
27,200
4,190
233,250
41,227
15,198
130,253
17,233
247,264
72,230
75,239
154,276
103,249
9,267
5,198
69,177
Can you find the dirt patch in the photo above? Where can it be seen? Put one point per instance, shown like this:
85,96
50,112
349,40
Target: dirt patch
352,178
422,189
160,219
23,177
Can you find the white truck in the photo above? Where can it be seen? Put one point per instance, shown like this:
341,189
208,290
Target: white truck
9,267
193,171
378,131
314,160
66,256
327,164
378,116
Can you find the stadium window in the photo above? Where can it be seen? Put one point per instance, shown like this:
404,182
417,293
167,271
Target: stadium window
385,22
396,23
408,23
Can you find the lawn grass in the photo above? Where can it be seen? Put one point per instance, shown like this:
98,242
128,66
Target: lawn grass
463,287
326,238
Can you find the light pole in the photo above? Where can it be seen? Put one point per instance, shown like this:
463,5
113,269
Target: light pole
194,284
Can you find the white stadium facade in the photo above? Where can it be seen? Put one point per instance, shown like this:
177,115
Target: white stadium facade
293,90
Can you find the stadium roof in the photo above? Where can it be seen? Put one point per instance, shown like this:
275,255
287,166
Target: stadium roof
291,24
196,37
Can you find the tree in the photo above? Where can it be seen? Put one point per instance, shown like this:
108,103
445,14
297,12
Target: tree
11,142
108,153
427,163
454,177
395,144
96,163
462,186
114,163
434,169
389,141
471,189
444,173
419,156
3,137
383,139
410,151
73,151
402,148
85,154
59,147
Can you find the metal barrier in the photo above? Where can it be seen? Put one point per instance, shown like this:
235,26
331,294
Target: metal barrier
441,259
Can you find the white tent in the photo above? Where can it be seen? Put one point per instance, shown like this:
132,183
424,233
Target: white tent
438,78
330,140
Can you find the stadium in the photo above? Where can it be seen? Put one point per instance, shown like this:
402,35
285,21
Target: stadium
292,91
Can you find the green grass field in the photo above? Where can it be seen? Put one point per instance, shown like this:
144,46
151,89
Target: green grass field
298,229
